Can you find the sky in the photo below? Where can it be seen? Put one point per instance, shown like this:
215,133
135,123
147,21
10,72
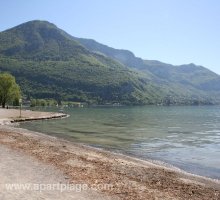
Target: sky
171,31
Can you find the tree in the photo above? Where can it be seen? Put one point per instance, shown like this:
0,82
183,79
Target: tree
9,90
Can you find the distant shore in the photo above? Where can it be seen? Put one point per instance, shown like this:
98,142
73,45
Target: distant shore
130,178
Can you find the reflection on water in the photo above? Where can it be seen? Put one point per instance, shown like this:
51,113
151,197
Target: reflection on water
185,136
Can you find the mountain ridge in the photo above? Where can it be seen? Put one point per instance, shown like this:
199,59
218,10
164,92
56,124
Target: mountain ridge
153,67
50,63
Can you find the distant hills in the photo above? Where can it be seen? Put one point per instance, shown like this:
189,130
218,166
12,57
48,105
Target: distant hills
49,63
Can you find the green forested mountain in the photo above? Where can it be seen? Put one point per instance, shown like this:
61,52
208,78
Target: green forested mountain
49,63
187,81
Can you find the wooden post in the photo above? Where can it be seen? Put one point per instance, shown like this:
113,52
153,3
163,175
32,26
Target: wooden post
20,102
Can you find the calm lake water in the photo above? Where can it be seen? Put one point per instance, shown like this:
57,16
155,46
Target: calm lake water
184,136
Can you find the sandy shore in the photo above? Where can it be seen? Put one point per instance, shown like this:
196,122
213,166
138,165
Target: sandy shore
126,177
8,116
20,169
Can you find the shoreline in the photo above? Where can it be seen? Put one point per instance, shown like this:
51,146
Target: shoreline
187,182
11,116
155,163
158,162
133,178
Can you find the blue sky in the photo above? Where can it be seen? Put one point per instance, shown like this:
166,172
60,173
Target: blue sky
172,31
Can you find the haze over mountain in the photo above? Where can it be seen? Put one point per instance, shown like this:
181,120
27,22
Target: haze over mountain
50,63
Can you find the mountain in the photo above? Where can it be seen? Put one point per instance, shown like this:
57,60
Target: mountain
49,63
187,80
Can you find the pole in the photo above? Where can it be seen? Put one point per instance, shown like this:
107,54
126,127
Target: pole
20,101
20,110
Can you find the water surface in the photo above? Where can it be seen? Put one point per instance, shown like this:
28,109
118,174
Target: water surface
185,136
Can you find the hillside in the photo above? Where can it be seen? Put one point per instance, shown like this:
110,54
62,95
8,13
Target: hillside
49,63
185,81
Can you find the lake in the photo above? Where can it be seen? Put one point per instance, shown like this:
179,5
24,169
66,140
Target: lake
187,137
